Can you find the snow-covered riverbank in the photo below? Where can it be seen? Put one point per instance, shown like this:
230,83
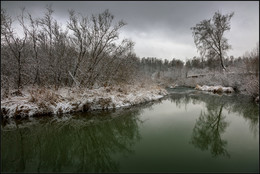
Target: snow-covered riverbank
216,89
42,101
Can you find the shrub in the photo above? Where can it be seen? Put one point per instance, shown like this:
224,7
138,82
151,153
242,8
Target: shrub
252,87
219,90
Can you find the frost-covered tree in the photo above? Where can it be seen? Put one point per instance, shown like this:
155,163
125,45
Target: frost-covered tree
13,42
87,51
209,36
95,41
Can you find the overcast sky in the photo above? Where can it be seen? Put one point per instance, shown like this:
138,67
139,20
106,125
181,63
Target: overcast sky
161,29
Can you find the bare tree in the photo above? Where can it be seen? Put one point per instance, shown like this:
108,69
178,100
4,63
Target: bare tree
46,38
60,47
81,39
94,39
15,44
33,29
119,66
209,36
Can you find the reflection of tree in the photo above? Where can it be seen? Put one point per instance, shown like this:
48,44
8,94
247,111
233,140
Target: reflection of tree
238,103
207,132
80,144
21,163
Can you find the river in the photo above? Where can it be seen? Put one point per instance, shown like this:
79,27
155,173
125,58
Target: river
187,131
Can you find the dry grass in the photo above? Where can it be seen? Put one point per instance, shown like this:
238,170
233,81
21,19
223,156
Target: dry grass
197,87
17,93
104,102
43,96
123,89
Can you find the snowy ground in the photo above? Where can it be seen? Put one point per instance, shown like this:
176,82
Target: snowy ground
40,101
217,89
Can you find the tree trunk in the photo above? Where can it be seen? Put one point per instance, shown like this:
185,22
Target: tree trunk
221,61
19,70
37,75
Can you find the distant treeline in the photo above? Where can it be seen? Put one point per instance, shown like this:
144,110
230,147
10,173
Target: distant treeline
249,62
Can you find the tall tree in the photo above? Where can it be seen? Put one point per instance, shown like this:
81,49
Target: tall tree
14,42
94,38
209,36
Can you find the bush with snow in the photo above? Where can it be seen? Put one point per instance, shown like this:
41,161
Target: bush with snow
215,89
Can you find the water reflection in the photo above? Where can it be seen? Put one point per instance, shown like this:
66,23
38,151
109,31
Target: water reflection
236,103
99,141
207,132
211,123
81,143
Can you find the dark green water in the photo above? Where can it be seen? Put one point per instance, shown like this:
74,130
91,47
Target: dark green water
189,131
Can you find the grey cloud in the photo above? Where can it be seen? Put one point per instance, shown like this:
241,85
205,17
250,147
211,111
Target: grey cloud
163,21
